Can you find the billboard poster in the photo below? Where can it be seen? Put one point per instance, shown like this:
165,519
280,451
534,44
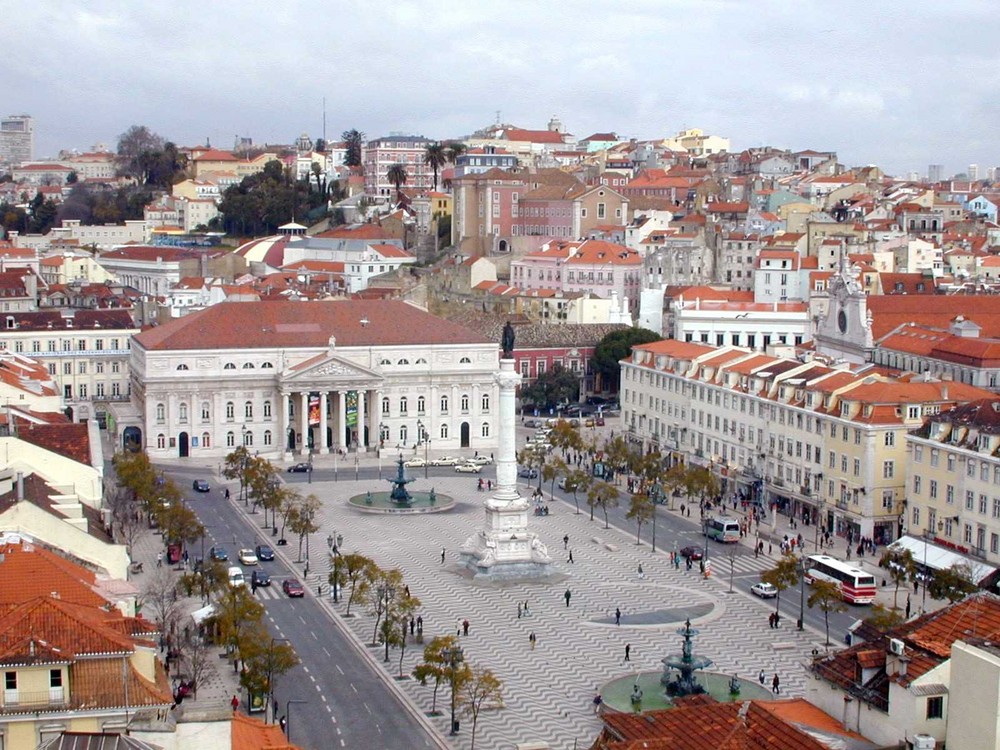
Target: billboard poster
314,410
351,407
257,702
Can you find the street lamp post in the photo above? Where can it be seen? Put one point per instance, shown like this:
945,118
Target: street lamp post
270,678
802,592
422,434
288,717
334,541
455,656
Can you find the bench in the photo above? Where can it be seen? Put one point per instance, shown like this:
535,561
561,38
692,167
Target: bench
136,567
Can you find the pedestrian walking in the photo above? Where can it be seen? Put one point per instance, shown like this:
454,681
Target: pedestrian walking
768,548
420,624
570,556
628,651
465,627
159,559
282,722
598,700
761,677
442,555
618,616
527,611
235,703
566,541
532,640
413,626
519,610
567,595
642,576
227,493
775,685
907,606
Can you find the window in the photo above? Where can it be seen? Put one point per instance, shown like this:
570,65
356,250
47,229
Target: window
267,437
206,440
916,516
402,406
486,402
205,411
161,441
10,681
115,367
888,469
248,438
230,410
99,389
935,707
82,368
444,431
248,365
485,432
161,413
182,412
444,404
67,368
465,403
385,405
182,367
402,434
916,484
229,366
421,404
932,489
248,410
465,361
230,439
890,439
52,368
267,408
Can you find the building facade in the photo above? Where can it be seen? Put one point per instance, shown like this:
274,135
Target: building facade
287,378
17,139
382,153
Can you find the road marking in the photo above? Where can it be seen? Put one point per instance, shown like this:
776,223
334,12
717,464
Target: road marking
354,688
313,635
326,652
369,710
312,677
339,669
305,669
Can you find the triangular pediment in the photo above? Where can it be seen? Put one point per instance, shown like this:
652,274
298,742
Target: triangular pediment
329,369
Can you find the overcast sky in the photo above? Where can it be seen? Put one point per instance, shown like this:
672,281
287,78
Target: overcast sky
899,84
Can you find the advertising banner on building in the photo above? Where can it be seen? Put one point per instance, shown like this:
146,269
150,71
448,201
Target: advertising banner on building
314,415
351,407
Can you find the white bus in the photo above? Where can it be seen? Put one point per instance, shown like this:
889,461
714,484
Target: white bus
856,586
723,530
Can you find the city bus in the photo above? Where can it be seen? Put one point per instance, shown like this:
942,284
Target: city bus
856,586
723,530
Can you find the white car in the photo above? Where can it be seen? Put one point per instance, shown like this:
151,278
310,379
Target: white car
247,557
445,461
479,460
468,468
414,463
764,590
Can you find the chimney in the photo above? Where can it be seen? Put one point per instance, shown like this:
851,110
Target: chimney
20,486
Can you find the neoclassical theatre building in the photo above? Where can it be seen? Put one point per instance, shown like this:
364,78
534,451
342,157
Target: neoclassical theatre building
287,378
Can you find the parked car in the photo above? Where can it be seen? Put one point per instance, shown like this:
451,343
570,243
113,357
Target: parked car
468,468
691,552
599,421
527,473
595,400
414,463
532,422
218,553
264,553
764,590
445,461
292,588
299,468
200,485
247,557
260,578
480,460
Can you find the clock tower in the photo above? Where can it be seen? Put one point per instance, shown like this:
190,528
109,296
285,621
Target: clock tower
846,330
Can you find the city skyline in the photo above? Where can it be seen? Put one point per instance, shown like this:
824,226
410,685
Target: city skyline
885,88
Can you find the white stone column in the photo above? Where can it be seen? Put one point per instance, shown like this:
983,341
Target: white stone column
362,416
341,418
323,442
304,421
283,424
507,381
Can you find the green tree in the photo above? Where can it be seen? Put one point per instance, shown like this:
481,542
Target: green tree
900,565
383,587
236,466
482,690
264,659
641,510
603,495
954,583
72,178
436,666
553,387
354,142
453,150
577,480
700,482
615,347
398,176
552,471
236,611
784,575
883,618
435,157
826,596
302,519
359,572
395,622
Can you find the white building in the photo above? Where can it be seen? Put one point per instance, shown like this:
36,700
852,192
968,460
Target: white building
290,377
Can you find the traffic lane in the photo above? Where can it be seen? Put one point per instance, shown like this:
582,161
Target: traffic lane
347,705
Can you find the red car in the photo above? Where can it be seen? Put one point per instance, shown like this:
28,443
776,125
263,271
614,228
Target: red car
291,587
691,552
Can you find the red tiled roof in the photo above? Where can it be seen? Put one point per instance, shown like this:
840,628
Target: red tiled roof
305,325
71,440
937,311
30,571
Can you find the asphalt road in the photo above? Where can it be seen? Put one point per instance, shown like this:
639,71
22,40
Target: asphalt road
345,703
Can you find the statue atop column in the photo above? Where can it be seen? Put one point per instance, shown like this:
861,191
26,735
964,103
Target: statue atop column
507,341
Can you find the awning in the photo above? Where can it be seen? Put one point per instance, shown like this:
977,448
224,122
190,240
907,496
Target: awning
200,615
939,558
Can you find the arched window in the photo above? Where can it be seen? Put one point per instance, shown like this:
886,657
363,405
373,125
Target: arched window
403,361
161,413
402,406
229,366
444,432
402,434
230,439
465,402
267,408
206,440
267,437
384,361
206,411
383,433
248,365
486,402
230,410
421,361
465,361
267,366
182,412
161,441
248,410
248,438
421,404
182,367
385,404
486,429
444,404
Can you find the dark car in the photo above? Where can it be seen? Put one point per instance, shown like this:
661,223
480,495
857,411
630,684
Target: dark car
260,578
527,473
595,400
264,553
299,468
200,485
691,552
292,588
219,553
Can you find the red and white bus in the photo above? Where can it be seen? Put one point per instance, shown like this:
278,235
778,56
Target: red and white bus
856,586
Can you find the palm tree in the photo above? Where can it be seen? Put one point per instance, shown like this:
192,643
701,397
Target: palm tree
397,176
453,150
435,157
